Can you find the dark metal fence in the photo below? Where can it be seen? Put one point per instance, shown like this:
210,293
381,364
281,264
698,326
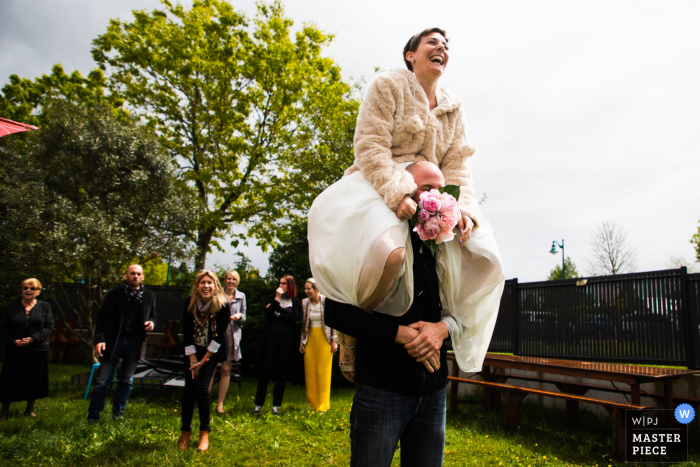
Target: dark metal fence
169,302
650,317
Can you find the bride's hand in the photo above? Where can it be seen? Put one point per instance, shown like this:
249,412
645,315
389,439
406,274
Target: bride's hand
406,208
465,224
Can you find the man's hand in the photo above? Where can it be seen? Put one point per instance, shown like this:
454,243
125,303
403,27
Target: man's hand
406,208
428,342
99,348
301,348
406,335
149,325
465,224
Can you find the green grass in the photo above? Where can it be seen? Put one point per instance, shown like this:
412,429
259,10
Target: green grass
148,435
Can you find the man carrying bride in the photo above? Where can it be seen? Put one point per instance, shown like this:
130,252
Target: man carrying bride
394,298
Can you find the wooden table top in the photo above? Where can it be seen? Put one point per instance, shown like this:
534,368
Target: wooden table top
597,370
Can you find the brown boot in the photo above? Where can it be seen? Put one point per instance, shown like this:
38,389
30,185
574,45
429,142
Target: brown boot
184,442
203,441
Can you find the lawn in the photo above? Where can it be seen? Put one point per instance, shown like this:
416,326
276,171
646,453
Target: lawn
148,435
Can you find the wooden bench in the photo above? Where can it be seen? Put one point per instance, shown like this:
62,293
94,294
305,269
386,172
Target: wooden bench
582,388
514,395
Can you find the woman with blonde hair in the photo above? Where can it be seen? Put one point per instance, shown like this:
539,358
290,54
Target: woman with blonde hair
205,321
318,343
237,308
25,329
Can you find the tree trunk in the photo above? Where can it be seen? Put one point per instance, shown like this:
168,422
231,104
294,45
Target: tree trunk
204,237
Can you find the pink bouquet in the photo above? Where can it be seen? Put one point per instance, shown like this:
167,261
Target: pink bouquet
436,216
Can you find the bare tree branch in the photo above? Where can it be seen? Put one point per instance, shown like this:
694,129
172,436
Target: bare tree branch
611,251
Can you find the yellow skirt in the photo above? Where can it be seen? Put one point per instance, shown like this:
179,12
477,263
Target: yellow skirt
318,364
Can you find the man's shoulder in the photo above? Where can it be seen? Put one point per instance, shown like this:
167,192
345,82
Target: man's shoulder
148,293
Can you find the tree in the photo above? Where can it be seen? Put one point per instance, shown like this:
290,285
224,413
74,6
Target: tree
26,101
258,123
611,251
85,196
291,255
695,240
571,272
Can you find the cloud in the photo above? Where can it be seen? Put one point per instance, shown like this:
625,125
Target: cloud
580,111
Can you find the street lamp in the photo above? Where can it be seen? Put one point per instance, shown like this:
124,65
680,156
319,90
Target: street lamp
554,252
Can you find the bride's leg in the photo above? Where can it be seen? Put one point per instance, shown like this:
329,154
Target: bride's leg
392,267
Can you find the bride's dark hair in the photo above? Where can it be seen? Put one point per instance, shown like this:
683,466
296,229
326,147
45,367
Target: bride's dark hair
414,42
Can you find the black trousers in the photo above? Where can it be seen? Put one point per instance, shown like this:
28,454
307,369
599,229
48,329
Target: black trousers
197,391
277,351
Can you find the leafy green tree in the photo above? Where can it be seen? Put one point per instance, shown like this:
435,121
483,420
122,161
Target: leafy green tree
695,240
571,272
291,255
25,100
81,199
256,118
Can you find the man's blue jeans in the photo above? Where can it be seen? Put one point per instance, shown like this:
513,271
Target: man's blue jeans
128,349
379,419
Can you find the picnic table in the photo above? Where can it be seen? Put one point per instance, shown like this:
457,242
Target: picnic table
572,392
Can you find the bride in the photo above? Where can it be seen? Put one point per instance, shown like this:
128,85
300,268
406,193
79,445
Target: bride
358,233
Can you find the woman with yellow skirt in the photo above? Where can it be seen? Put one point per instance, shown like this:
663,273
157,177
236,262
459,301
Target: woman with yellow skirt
318,342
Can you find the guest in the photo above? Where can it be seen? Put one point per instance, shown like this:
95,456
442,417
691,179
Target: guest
276,349
205,321
25,328
236,301
127,314
318,342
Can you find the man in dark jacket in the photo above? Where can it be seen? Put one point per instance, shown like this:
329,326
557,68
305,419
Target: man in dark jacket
397,397
127,314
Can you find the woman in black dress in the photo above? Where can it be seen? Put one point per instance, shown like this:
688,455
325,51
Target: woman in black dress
278,342
25,330
205,320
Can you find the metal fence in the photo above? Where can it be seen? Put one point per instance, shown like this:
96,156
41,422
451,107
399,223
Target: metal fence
169,302
649,317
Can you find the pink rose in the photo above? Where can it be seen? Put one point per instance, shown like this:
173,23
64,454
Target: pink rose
428,230
451,218
447,203
423,215
430,200
444,236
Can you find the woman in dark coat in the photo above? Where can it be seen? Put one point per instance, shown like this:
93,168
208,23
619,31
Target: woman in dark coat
205,320
25,330
278,342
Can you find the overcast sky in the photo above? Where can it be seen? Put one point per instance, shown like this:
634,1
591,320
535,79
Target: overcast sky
580,111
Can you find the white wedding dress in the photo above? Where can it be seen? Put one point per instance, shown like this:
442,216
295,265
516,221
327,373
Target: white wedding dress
351,232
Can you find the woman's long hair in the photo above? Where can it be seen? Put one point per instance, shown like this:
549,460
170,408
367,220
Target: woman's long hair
218,298
291,286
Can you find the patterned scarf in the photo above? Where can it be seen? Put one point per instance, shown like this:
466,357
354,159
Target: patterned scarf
201,316
134,295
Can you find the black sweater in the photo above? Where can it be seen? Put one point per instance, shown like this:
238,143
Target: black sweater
284,323
222,317
380,362
16,324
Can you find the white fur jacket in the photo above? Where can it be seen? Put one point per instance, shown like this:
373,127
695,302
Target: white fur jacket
395,126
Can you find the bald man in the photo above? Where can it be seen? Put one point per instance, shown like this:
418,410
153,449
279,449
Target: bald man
397,396
127,314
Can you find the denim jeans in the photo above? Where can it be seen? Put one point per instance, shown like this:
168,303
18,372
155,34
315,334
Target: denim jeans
379,419
128,349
